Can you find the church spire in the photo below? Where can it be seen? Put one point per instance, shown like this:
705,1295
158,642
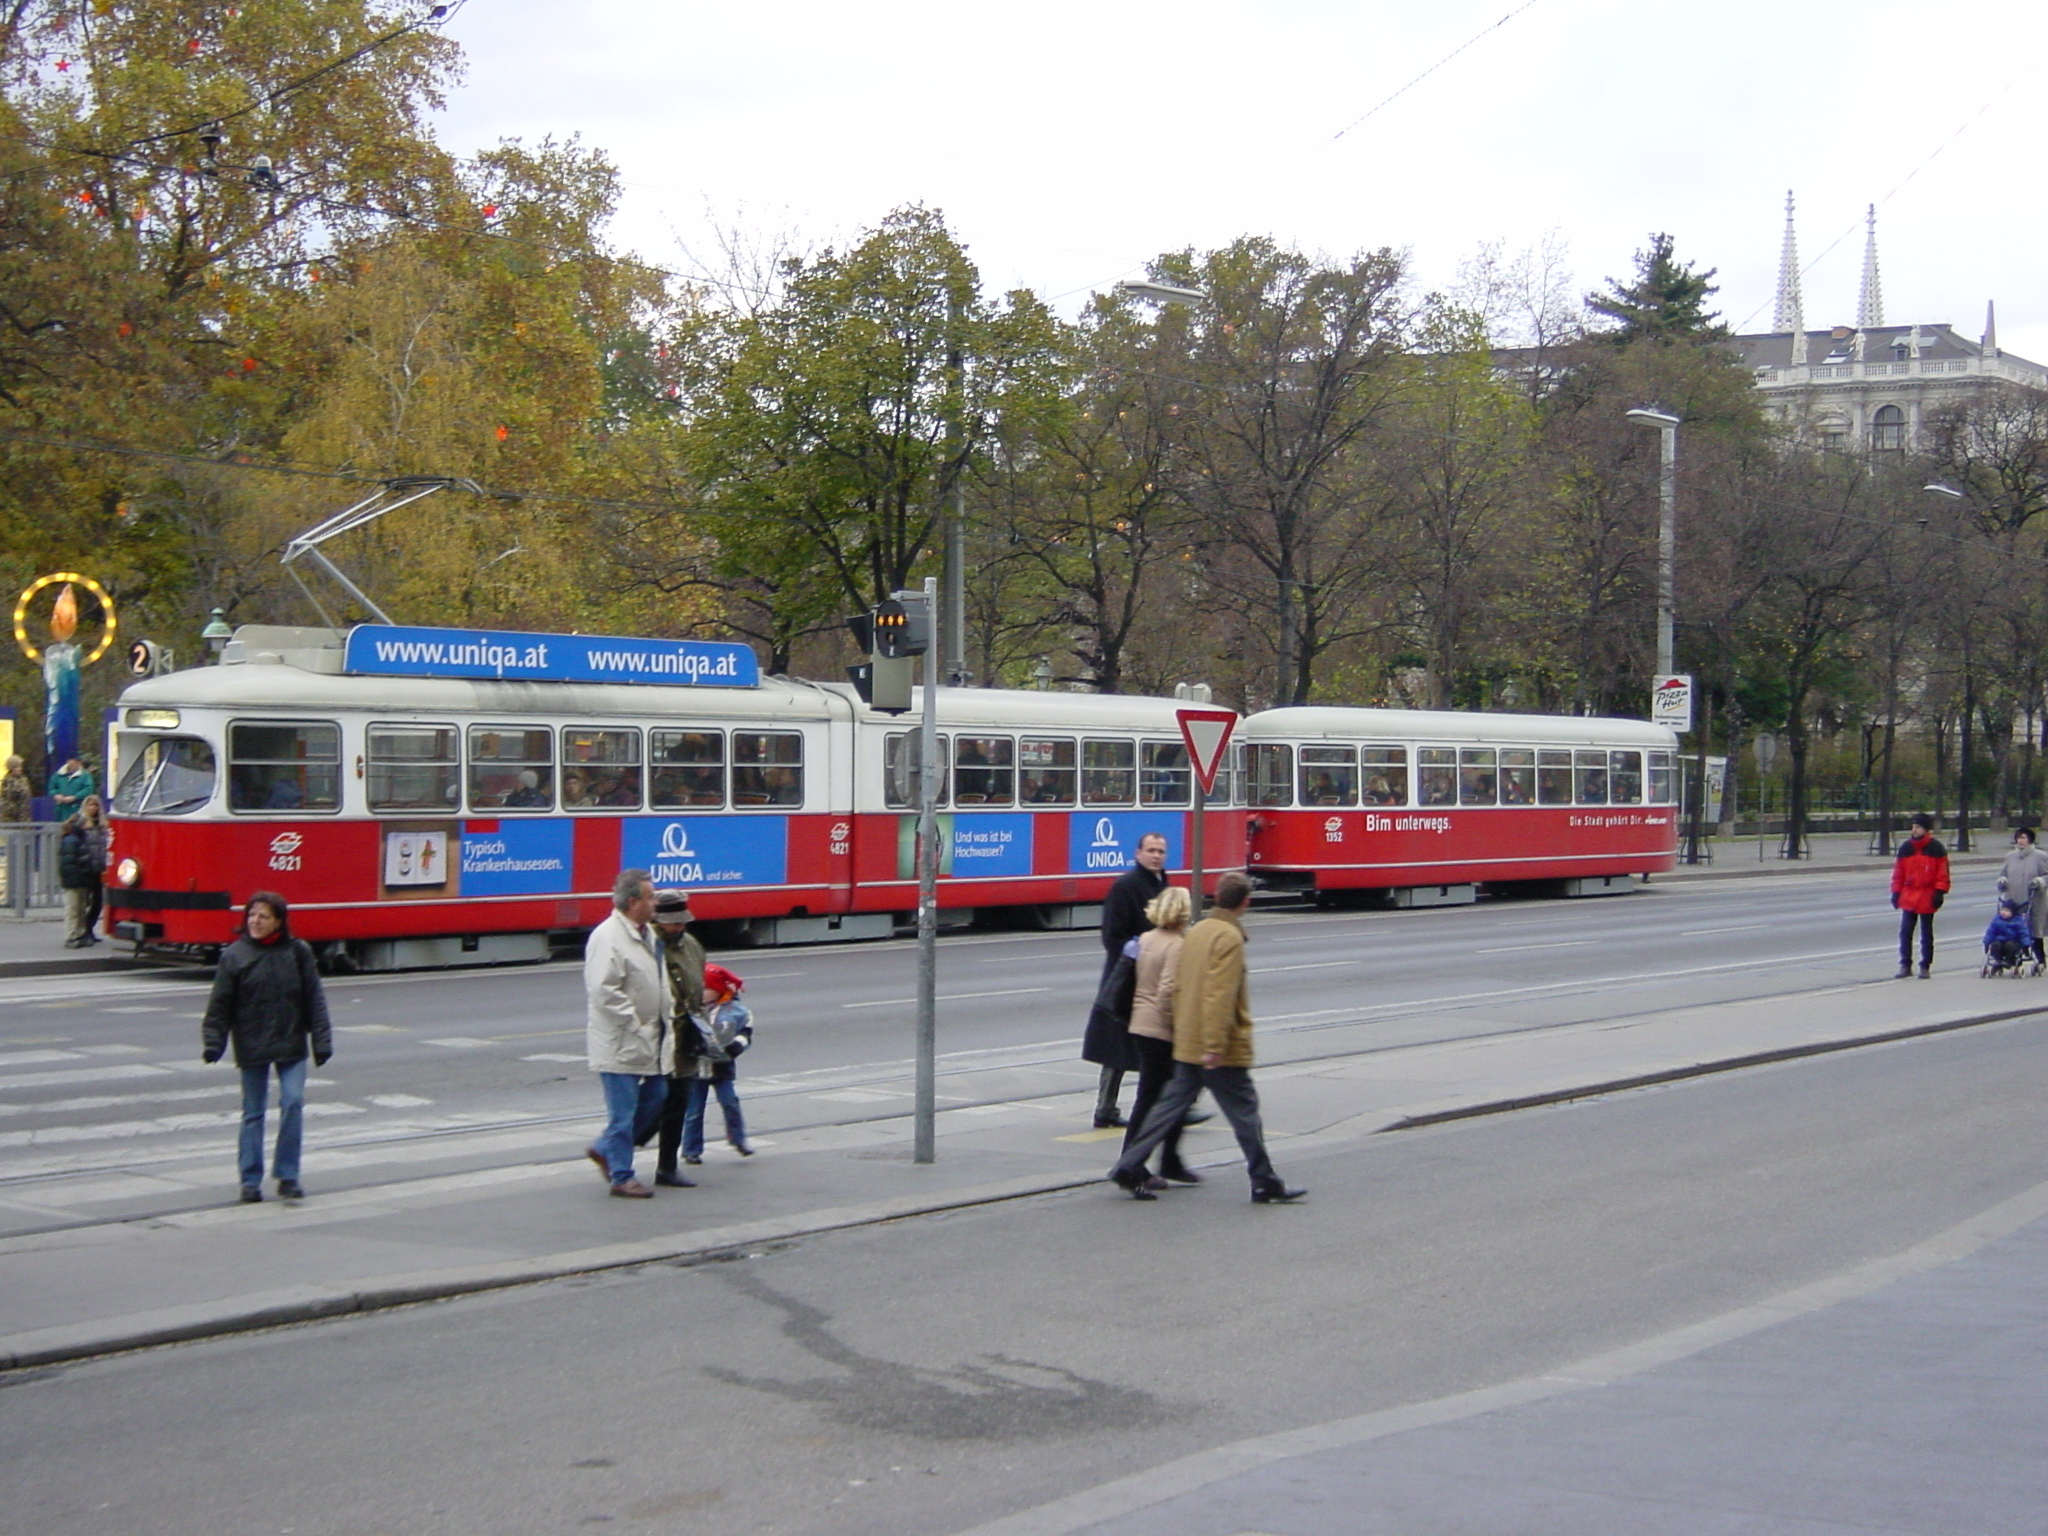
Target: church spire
1790,316
1870,300
1990,328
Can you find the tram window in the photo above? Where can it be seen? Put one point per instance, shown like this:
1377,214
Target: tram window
1269,774
900,753
1592,777
1386,774
1553,778
511,768
1163,777
1625,777
1436,772
689,769
1224,791
1517,776
767,768
1109,772
276,765
600,769
171,775
1329,776
1046,766
413,768
1478,776
985,771
1661,779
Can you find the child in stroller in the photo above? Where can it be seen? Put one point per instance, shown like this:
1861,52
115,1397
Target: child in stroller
2008,942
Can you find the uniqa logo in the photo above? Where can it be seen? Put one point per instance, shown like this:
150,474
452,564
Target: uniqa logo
286,842
675,842
1105,833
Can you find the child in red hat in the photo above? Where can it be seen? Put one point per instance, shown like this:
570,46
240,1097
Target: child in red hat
728,1029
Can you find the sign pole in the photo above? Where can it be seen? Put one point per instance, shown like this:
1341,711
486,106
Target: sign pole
1206,734
925,1136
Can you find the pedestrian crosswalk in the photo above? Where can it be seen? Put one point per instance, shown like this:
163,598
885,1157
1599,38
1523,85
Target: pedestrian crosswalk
106,1114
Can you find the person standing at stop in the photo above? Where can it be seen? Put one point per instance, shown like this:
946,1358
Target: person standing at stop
1919,886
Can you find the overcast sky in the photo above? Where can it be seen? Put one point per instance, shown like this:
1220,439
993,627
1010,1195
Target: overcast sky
1068,141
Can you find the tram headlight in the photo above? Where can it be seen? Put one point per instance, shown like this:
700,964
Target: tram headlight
129,871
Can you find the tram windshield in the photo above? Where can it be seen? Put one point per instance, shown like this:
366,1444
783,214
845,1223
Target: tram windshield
171,775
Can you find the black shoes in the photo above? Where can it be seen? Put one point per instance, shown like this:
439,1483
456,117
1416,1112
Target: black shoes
290,1189
1902,972
668,1178
1134,1185
251,1195
1197,1117
1924,969
1110,1122
1274,1192
1181,1176
742,1148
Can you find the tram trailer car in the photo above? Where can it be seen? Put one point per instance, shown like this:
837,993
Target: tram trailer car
418,821
1432,805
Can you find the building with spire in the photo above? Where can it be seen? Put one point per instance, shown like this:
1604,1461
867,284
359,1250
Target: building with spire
1870,384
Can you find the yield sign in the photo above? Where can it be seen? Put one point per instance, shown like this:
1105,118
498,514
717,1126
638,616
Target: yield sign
1207,733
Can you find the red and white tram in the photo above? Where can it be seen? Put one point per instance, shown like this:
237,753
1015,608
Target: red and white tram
430,819
1431,804
426,820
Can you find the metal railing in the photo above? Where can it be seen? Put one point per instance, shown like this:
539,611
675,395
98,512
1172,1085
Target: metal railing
28,866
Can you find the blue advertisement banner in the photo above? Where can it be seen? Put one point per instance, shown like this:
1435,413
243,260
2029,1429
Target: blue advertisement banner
517,858
1107,844
384,650
691,851
991,847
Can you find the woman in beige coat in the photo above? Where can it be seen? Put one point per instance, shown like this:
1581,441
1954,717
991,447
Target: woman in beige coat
1152,1025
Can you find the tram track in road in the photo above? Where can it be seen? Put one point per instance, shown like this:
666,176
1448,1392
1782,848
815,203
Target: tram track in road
891,1075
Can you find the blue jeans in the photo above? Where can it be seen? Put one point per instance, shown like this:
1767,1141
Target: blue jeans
291,1115
728,1102
632,1105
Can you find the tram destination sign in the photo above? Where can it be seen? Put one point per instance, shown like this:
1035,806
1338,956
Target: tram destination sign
383,650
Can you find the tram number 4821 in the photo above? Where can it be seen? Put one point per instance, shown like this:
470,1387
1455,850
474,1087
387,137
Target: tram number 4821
284,852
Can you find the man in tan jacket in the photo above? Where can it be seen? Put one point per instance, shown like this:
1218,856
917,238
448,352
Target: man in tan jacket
1212,1048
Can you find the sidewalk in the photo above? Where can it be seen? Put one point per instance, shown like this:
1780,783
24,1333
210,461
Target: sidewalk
75,1292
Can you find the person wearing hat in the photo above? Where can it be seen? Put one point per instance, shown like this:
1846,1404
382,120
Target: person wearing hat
727,1030
1920,884
683,958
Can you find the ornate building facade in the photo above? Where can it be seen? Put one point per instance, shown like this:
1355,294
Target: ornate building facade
1868,385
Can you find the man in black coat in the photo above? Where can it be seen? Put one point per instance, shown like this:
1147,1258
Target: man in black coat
1123,919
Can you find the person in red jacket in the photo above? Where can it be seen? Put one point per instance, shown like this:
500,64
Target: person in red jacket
1919,886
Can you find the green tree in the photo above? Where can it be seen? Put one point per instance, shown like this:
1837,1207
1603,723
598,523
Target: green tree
1666,300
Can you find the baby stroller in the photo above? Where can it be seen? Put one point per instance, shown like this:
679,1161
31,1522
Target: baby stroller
2008,942
2022,903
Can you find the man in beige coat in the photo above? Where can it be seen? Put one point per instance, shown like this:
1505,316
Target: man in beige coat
1212,1048
628,1033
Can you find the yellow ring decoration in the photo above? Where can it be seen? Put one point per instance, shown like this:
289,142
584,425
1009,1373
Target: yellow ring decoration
21,613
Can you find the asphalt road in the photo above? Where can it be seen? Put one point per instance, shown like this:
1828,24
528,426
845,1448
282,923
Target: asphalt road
101,1088
922,1377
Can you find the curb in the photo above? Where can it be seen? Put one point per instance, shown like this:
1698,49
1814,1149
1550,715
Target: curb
76,1342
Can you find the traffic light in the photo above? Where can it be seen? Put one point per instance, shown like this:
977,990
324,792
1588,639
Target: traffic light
903,626
146,658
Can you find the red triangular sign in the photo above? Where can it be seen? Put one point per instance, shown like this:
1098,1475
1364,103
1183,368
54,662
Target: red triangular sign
1207,733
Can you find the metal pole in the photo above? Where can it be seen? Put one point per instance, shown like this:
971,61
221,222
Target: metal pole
1667,546
1195,843
927,1099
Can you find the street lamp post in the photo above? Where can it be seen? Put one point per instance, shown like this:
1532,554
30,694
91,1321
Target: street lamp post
1667,525
1963,755
1666,424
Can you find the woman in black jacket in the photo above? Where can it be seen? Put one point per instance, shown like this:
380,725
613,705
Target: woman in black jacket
267,998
